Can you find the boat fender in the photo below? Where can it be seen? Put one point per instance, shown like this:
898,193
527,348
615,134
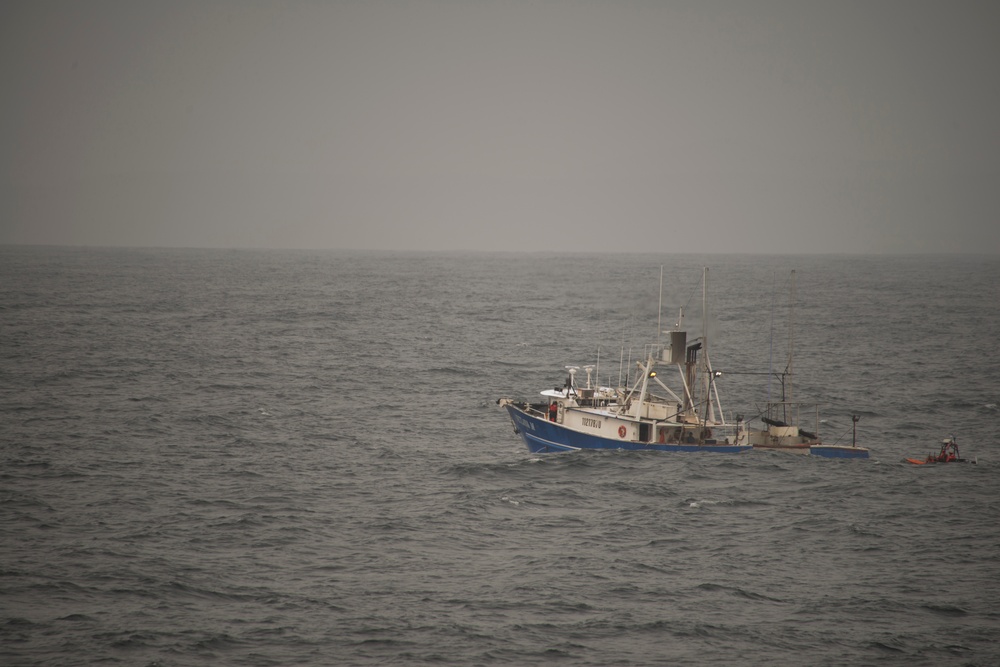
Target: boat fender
621,431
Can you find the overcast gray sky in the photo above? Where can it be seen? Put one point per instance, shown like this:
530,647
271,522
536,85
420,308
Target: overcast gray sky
702,126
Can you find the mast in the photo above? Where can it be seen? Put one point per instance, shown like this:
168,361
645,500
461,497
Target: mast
709,408
621,359
704,308
770,348
659,310
791,337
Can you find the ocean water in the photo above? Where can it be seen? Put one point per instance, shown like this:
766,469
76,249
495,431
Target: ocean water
296,458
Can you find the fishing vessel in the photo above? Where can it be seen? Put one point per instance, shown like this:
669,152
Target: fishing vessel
672,405
781,420
948,454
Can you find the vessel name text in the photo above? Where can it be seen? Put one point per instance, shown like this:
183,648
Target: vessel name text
525,423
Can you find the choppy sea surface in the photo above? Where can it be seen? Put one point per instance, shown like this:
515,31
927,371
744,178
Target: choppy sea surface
296,458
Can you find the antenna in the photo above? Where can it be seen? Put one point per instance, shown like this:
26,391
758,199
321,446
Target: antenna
571,381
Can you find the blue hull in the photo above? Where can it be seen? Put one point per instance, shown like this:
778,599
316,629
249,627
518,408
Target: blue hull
822,451
838,452
545,437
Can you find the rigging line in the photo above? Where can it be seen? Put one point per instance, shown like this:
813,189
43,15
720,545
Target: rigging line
760,413
842,435
694,292
771,373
